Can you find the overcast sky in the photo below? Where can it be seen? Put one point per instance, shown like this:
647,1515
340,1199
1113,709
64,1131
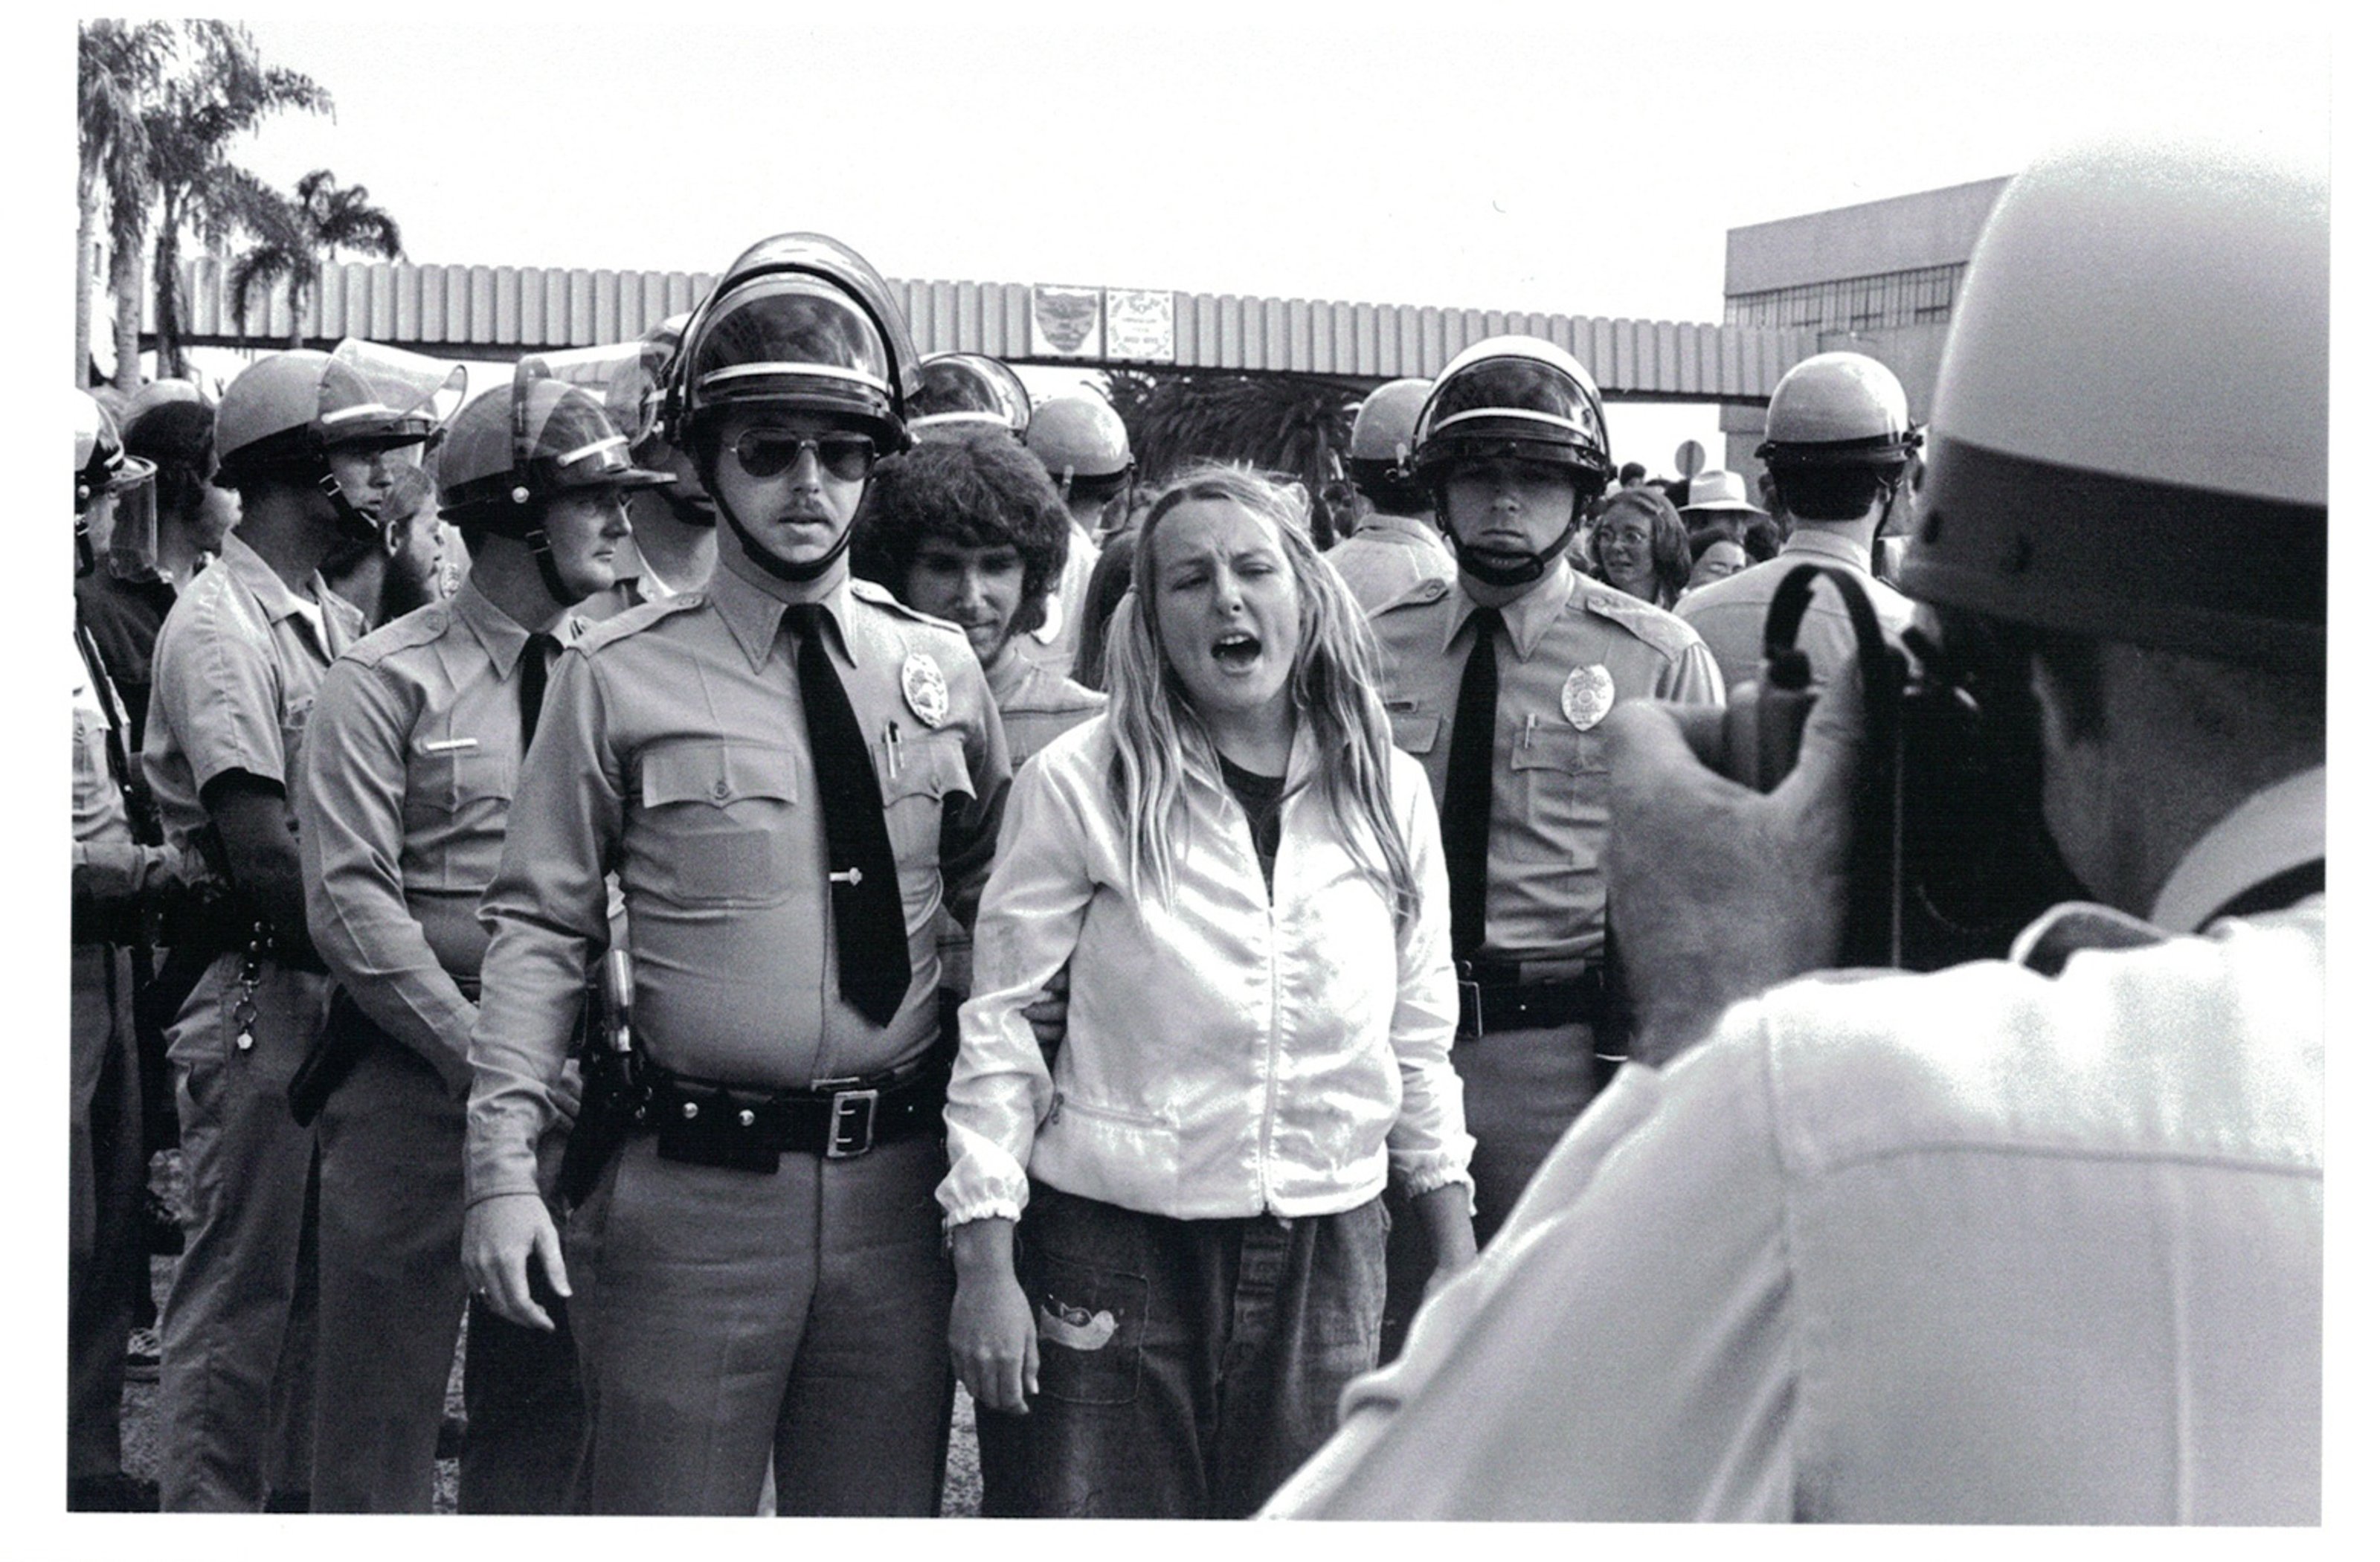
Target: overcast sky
1479,155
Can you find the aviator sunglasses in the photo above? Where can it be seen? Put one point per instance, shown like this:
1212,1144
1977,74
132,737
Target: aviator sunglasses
767,452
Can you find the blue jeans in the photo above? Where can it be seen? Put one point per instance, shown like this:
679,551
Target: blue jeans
1189,1366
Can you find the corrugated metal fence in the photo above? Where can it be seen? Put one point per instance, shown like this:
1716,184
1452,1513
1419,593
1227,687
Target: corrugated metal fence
498,310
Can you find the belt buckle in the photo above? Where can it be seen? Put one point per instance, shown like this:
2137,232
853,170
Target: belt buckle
847,1107
1470,1019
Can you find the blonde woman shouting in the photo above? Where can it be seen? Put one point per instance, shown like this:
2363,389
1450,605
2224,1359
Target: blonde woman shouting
1171,1242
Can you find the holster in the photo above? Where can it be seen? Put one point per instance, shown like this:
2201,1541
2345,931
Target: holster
611,1107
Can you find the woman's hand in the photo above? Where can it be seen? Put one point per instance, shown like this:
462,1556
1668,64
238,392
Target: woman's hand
992,1345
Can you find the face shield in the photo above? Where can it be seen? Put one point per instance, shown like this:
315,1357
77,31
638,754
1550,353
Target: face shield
420,393
962,393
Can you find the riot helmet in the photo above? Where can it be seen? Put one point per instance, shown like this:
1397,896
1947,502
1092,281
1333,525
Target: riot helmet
799,323
287,411
103,469
1379,447
545,434
1082,444
2130,440
965,393
1837,436
1523,399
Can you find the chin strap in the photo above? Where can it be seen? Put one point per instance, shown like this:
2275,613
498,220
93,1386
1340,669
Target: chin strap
357,523
86,560
768,563
1479,566
541,550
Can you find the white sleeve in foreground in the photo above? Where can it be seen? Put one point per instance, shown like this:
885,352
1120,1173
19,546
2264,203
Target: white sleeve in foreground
1621,1351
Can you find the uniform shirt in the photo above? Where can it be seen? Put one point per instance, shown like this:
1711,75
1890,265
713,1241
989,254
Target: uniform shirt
1730,614
1390,555
411,758
1036,705
111,868
1052,644
1231,1054
1985,1245
1550,776
236,668
675,751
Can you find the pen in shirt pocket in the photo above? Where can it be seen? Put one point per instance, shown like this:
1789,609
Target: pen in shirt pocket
893,749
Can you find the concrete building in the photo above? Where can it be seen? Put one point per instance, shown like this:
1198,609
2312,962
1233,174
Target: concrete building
1878,278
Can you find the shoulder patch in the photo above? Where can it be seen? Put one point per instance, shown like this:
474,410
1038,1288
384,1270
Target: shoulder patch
620,626
417,628
1661,629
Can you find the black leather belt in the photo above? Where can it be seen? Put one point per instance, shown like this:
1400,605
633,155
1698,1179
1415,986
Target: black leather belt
1526,995
705,1123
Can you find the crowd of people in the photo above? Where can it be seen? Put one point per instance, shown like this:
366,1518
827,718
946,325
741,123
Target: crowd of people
752,876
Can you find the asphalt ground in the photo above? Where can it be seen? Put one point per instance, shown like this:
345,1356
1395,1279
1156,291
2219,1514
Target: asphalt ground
962,1480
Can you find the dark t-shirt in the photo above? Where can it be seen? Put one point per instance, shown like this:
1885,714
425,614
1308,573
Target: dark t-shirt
1259,799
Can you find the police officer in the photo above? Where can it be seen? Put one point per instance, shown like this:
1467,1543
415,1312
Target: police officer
1500,685
2027,1241
1396,545
1838,442
674,543
965,396
412,756
792,773
305,443
1084,447
117,881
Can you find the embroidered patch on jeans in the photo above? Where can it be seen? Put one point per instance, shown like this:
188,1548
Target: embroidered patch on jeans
1077,1328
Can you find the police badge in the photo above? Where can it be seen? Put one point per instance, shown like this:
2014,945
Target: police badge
929,697
1586,696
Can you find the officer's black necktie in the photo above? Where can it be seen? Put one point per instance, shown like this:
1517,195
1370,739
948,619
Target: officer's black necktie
871,938
537,660
1470,788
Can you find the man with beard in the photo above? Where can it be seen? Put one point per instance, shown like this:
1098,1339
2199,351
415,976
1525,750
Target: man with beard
397,571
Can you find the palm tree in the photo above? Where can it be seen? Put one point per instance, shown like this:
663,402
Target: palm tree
118,67
1294,424
295,237
224,93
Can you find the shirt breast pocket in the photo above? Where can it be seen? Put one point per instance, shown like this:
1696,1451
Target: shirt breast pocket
916,773
1566,780
720,817
446,775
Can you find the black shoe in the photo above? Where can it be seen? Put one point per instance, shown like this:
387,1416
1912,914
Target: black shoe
289,1502
118,1493
161,1232
450,1438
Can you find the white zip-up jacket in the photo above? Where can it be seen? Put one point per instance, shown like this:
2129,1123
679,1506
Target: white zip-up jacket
1229,1055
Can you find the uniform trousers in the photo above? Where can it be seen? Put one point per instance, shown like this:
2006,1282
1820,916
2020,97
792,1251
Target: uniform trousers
726,1319
1188,1367
1522,1089
393,1292
236,1372
107,1260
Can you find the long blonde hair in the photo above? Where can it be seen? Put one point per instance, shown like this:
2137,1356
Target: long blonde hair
1332,686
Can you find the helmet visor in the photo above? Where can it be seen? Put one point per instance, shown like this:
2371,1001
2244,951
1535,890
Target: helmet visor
789,337
965,390
417,393
1518,400
625,377
564,436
